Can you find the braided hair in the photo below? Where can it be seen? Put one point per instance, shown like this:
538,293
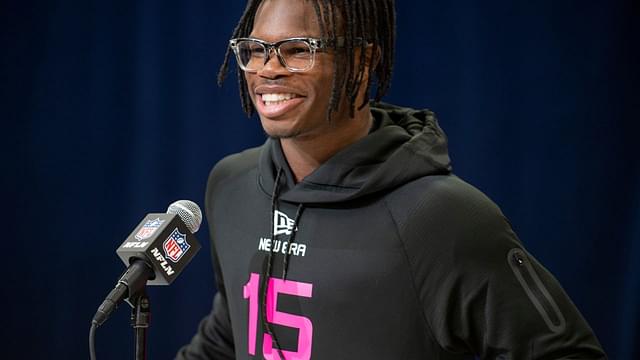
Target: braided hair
369,20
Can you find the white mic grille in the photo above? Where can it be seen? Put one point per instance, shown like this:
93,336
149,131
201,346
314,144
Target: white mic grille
189,212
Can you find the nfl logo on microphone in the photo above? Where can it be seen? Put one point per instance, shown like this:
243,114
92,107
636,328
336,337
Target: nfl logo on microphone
148,229
176,245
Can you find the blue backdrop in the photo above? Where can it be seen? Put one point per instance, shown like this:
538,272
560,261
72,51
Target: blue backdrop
109,110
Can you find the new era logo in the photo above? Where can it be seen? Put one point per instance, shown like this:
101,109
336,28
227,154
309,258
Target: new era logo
282,224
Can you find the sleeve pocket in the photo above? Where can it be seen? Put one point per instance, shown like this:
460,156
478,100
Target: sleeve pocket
535,289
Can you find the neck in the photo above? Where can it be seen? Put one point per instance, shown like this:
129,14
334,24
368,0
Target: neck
304,155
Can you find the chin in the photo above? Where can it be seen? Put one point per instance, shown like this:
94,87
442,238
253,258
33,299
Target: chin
279,132
282,134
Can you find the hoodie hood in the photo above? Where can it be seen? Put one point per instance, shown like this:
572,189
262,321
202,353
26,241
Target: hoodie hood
407,144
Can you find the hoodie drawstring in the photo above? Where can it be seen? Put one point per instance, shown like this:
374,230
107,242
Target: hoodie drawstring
266,326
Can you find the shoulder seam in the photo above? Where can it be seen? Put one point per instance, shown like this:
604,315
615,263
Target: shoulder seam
427,324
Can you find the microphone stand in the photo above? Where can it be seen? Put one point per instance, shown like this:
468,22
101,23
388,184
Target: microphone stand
140,316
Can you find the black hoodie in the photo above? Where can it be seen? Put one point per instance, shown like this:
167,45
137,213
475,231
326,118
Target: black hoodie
380,253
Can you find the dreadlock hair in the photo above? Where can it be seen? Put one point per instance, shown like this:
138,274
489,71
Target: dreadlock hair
364,22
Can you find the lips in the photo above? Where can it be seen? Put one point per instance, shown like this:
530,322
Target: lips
275,101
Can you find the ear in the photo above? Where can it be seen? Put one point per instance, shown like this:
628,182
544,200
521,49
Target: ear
372,57
374,54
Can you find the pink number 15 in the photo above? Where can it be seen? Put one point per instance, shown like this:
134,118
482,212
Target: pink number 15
304,326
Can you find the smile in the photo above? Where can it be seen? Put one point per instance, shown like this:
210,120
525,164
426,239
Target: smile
277,104
273,99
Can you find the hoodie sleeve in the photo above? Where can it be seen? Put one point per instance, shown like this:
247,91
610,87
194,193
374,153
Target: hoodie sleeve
214,339
482,293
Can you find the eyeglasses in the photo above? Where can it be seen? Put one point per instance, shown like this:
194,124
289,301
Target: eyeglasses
295,54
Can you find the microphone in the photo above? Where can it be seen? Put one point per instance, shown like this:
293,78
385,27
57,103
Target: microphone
156,252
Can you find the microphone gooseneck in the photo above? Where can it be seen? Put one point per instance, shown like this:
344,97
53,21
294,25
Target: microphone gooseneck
132,281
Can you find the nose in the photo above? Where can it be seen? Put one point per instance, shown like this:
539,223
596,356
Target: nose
273,67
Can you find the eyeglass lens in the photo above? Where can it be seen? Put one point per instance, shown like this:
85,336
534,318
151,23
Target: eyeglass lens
295,54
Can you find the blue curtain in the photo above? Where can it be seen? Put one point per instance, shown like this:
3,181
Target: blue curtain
110,110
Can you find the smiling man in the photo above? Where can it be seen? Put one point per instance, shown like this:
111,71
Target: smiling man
346,235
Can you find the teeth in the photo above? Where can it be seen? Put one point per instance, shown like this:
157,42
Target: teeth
275,98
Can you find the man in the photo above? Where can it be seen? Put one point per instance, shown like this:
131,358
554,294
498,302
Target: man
345,236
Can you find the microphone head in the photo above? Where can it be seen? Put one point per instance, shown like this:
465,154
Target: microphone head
189,212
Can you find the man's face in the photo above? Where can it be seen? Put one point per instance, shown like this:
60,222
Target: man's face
305,114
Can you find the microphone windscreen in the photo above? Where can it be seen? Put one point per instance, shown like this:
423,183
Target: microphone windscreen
189,212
